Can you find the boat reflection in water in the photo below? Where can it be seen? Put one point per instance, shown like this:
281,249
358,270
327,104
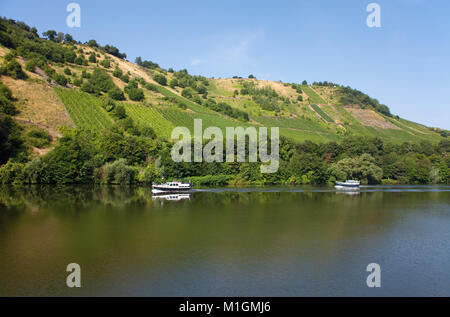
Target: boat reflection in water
171,197
348,192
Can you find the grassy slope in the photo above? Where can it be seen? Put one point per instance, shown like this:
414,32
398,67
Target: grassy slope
297,120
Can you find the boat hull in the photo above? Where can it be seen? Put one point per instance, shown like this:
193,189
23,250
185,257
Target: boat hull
158,190
346,187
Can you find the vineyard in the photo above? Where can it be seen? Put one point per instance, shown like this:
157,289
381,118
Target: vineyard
312,95
322,113
84,109
186,119
146,115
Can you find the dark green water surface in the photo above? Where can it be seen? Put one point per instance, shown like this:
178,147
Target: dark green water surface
225,242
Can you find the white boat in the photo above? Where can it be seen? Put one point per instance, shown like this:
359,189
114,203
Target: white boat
171,187
348,185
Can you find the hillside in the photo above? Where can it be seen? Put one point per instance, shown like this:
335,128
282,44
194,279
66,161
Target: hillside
318,112
58,83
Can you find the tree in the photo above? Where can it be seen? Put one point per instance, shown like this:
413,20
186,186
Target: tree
60,37
92,43
251,76
50,34
304,83
68,38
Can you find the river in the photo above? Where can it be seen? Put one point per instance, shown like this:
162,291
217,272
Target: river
269,241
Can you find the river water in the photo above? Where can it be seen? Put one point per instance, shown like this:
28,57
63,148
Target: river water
270,241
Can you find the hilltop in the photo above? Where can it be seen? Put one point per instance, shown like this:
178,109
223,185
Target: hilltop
56,83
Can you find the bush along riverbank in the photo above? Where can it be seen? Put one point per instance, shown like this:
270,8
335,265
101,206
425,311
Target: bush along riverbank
116,157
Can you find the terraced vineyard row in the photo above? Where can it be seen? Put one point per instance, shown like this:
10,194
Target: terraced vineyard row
291,123
85,110
312,95
322,113
186,119
149,116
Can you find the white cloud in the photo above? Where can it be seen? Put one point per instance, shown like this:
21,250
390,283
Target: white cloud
196,62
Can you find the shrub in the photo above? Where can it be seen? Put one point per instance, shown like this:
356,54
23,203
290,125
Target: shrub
38,137
173,83
31,65
187,93
79,60
151,87
117,72
78,82
116,94
105,63
67,71
118,172
92,58
60,79
125,78
99,81
109,105
11,172
85,74
119,112
160,79
13,69
149,175
135,94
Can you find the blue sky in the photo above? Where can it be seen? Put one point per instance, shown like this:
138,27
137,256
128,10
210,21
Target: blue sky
404,64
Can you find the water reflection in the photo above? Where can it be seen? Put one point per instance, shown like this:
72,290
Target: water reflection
171,197
224,242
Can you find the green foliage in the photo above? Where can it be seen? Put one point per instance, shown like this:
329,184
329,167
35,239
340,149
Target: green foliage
93,59
362,168
322,113
99,82
31,65
118,172
125,78
60,79
120,112
13,69
116,94
7,105
11,142
133,92
226,109
313,97
117,72
114,51
160,79
85,110
38,137
105,63
150,175
187,93
349,95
